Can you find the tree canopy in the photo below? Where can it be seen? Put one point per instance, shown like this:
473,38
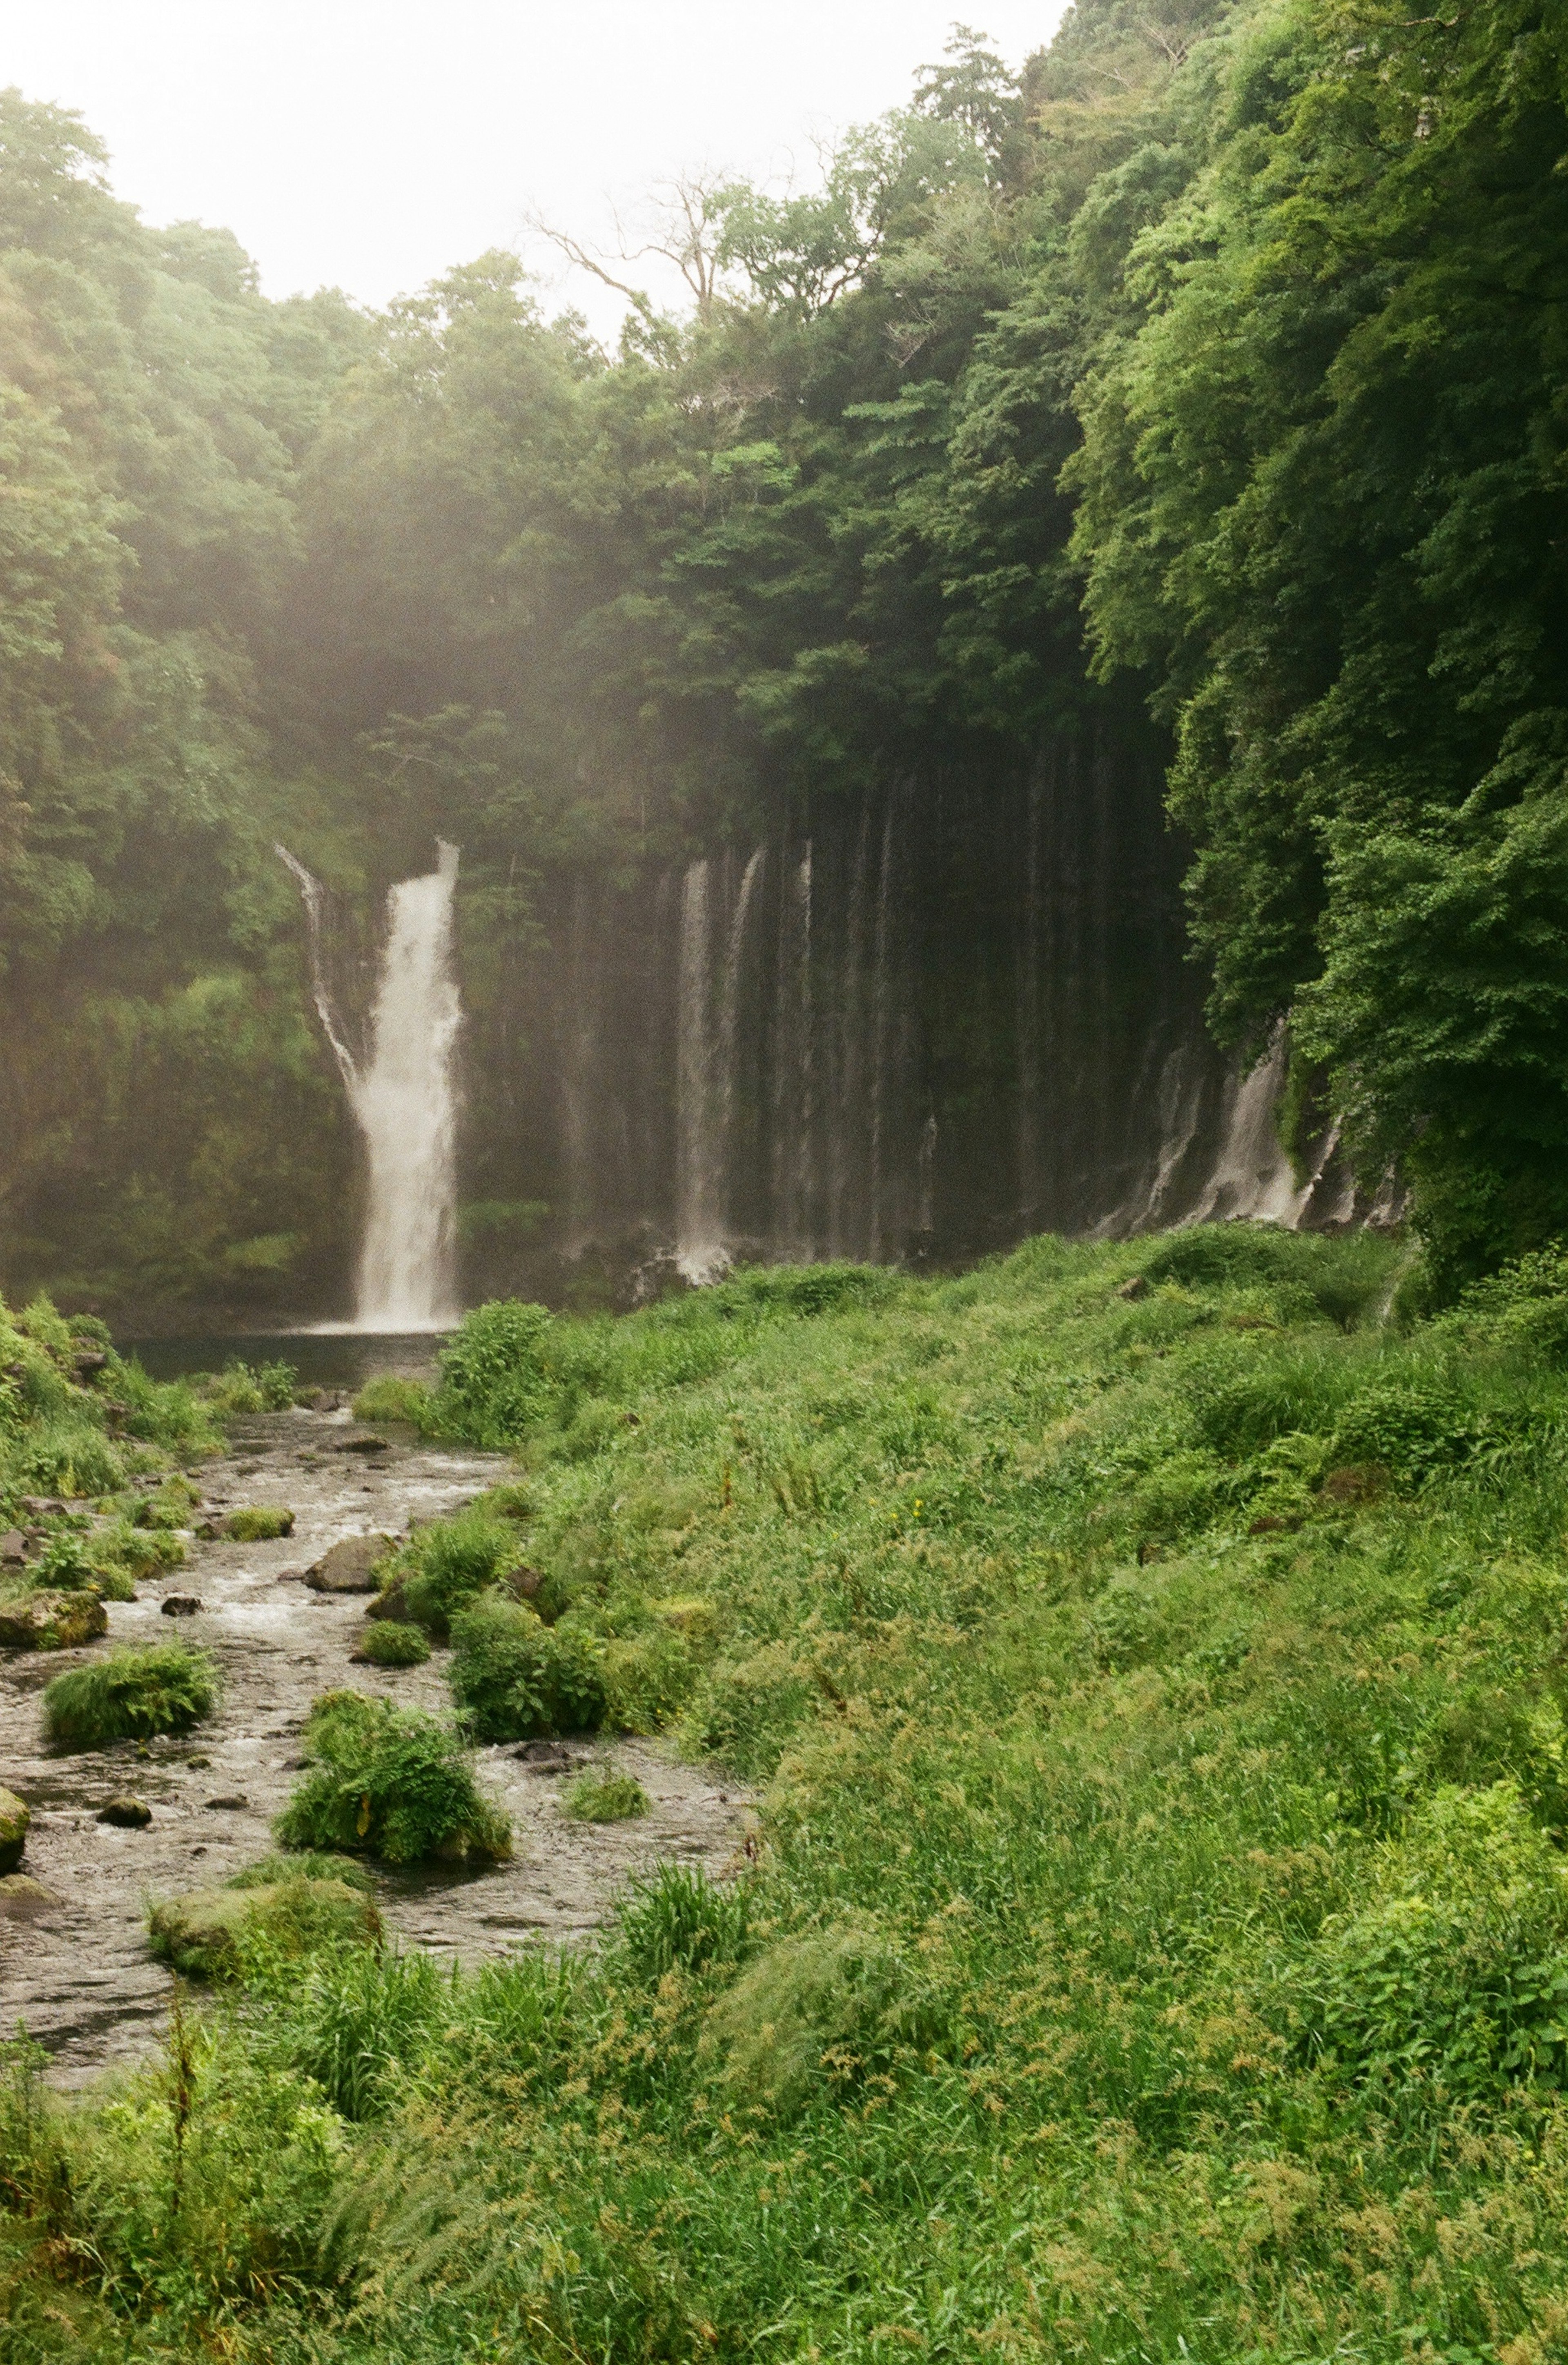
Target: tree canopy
1220,351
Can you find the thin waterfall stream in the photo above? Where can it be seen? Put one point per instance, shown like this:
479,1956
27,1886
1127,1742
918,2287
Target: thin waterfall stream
404,1100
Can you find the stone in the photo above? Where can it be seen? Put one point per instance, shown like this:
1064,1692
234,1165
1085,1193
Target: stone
22,1899
349,1567
362,1445
203,1935
181,1605
196,1762
523,1584
1133,1289
545,1757
88,1362
126,1815
231,1805
51,1621
15,1816
44,1506
13,1548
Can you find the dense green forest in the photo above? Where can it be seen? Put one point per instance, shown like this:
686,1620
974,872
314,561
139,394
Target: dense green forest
1217,361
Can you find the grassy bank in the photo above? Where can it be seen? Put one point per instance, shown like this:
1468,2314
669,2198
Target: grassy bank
1158,1943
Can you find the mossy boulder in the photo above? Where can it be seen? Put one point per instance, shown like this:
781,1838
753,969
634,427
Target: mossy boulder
350,1566
14,1816
254,1523
210,1934
48,1620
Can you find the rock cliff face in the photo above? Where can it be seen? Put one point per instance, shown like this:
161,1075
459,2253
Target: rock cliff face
923,1024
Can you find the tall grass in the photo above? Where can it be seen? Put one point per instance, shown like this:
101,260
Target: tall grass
1154,1942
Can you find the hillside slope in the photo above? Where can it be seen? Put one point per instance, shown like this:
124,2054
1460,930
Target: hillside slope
1158,1943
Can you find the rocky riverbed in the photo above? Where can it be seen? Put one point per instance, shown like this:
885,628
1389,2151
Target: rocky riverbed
75,1968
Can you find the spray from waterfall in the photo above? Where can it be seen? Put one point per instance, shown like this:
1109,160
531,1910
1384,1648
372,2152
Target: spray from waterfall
404,1101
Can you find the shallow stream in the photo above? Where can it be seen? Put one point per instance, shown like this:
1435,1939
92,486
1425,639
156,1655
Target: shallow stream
78,1972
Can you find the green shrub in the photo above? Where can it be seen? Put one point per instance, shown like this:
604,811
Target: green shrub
391,1783
599,1796
448,1563
136,1551
385,1643
648,1678
169,1506
745,1711
388,1398
515,1678
242,1387
1455,1976
1411,1425
493,1385
130,1694
64,1562
303,1864
259,1523
64,1455
1343,1278
822,2007
364,2018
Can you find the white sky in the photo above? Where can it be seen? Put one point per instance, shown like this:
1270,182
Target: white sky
369,144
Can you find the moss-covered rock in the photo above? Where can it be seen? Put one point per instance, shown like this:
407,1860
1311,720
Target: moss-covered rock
14,1816
48,1621
210,1934
253,1523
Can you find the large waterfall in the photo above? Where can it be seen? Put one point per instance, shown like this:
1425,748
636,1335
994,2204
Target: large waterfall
403,1096
916,1024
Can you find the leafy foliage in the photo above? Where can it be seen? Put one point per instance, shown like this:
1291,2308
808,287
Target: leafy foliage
391,1783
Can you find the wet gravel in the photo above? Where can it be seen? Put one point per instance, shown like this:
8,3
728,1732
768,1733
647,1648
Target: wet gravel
77,1971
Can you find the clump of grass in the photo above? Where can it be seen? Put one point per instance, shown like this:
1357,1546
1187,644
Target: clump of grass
599,1796
259,1523
385,1643
130,1694
243,1387
514,1678
388,1398
390,1783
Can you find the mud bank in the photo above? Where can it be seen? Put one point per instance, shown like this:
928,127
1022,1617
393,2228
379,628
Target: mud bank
78,1972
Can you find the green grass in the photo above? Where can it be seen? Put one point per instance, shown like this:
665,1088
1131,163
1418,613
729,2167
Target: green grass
1155,1942
130,1694
385,1643
258,1523
600,1796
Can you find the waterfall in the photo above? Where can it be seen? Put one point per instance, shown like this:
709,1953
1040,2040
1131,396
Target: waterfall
1252,1176
404,1101
699,1250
